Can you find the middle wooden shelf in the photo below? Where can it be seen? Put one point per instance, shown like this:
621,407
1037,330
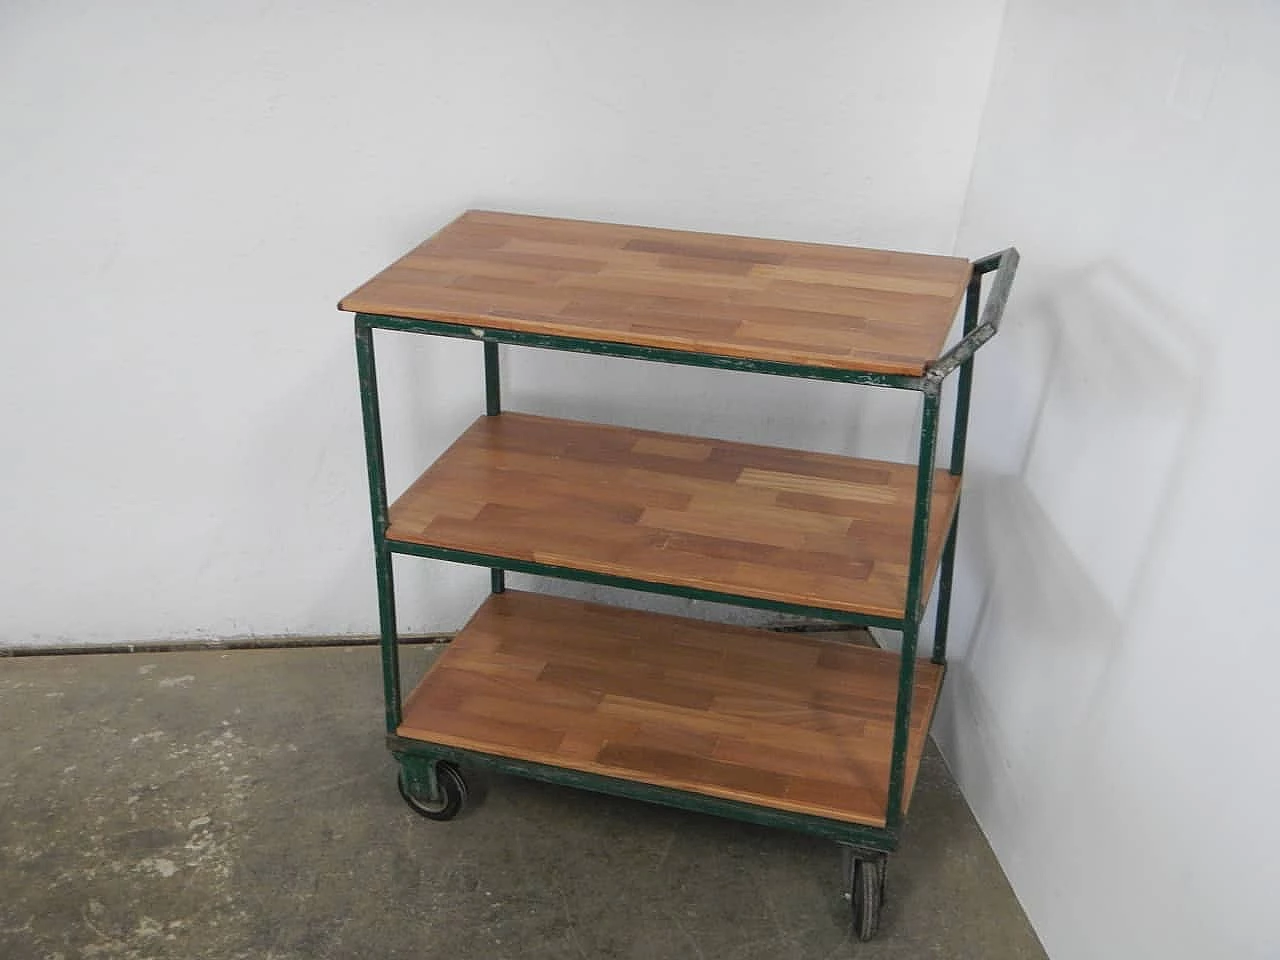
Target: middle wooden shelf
786,526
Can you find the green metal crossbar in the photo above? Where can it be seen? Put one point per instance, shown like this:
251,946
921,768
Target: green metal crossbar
608,348
860,835
647,586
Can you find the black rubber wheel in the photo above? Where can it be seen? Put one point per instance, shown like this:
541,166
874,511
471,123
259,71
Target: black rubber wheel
866,886
453,794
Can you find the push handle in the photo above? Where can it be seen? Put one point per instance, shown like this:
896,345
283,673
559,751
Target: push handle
1005,264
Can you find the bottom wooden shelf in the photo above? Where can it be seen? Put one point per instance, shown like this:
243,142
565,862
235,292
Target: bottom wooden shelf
787,721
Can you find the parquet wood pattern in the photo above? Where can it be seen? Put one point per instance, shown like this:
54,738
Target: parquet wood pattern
792,722
816,304
784,525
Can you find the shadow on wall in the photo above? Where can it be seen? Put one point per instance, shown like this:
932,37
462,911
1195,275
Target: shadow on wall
1062,546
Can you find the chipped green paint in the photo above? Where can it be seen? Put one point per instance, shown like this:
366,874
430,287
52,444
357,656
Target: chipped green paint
607,348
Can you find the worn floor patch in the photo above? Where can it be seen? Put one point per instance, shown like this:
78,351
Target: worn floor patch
235,805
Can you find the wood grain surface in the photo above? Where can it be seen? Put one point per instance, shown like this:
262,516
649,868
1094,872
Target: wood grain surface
784,525
788,721
815,304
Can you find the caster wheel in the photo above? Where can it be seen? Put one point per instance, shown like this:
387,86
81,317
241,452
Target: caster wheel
866,888
452,798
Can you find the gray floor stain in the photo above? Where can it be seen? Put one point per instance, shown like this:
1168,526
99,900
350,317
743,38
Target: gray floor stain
221,806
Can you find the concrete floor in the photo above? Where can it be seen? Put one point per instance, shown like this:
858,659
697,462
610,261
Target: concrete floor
241,805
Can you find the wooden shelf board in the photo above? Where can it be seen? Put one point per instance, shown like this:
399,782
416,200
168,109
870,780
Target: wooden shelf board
786,721
819,305
781,525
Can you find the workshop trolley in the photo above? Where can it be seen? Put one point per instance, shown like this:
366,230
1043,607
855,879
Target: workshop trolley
785,729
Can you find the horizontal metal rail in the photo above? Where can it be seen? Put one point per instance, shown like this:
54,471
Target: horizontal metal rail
645,586
608,348
861,835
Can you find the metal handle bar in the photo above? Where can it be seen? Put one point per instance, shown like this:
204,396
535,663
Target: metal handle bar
1005,264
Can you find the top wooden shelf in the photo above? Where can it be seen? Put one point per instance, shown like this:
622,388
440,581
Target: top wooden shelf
818,305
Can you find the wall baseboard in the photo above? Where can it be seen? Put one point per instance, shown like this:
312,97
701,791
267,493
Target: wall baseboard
236,643
288,641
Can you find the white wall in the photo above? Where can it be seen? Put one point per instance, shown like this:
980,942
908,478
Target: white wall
185,192
1110,711
187,189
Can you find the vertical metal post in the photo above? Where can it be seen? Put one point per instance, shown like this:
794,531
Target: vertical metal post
492,380
943,619
912,611
959,439
378,508
961,435
493,407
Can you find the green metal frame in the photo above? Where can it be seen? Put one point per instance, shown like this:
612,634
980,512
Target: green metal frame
860,835
413,754
627,583
378,506
607,348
